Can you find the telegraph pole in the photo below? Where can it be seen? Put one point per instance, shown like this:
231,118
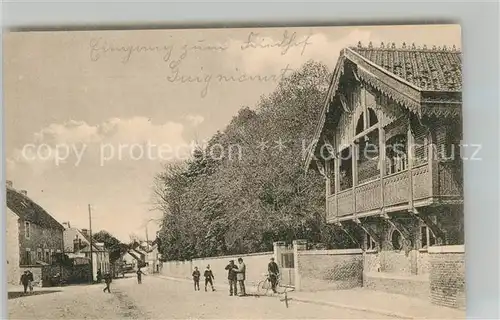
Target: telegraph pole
91,246
147,238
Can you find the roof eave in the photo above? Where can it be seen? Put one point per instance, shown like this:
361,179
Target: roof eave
332,90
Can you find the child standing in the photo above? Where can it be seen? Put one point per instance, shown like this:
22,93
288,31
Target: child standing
196,279
209,276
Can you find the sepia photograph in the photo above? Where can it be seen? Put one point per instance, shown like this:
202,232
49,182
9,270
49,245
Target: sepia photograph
235,173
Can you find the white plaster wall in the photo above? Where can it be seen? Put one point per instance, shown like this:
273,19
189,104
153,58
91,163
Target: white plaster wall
12,248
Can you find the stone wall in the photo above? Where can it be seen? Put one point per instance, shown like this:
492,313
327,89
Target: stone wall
447,276
12,248
256,267
330,269
43,275
177,269
409,285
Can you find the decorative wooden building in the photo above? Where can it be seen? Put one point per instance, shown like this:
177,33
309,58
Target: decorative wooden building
388,144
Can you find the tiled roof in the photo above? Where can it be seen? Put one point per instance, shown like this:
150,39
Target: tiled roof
86,248
134,256
29,210
430,69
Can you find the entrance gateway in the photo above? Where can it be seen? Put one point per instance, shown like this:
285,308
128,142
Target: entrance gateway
285,259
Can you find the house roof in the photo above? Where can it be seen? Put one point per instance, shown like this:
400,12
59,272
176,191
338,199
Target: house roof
86,237
86,248
134,255
429,69
94,243
139,250
29,210
420,79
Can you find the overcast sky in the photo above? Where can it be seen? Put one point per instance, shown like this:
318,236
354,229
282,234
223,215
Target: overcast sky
79,92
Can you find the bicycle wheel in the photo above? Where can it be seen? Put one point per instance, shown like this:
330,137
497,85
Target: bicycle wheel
263,286
282,289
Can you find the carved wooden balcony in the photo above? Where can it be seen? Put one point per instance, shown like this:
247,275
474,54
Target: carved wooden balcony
438,182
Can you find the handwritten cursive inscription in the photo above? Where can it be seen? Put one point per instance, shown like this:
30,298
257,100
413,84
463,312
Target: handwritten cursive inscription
239,77
99,48
287,42
174,54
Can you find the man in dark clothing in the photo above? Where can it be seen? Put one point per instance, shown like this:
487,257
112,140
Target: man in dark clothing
107,280
196,279
139,275
30,280
274,272
25,280
99,276
209,276
231,276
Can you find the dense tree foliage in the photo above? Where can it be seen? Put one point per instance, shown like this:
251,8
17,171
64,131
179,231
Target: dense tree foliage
246,188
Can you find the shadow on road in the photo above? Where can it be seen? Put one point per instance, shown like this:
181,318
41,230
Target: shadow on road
255,295
18,294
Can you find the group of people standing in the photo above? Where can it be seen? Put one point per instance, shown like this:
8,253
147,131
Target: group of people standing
27,281
236,275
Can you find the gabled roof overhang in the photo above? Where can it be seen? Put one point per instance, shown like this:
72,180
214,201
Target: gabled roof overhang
417,101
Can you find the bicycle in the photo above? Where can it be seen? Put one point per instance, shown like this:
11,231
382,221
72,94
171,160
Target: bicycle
264,286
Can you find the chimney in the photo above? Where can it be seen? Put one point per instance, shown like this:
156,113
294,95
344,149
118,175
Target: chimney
9,183
85,232
24,192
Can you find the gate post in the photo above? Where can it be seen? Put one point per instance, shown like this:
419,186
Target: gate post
278,246
298,245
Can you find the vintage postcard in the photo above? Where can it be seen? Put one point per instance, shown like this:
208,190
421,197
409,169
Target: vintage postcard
246,173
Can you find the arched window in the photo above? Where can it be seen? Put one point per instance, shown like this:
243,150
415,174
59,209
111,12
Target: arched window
372,117
346,169
396,153
368,157
396,240
368,147
360,126
370,121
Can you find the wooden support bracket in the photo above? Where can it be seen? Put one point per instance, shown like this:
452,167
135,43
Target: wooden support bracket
436,230
398,226
355,74
321,168
368,230
353,238
343,102
330,147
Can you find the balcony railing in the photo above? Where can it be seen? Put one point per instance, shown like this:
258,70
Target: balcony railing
397,189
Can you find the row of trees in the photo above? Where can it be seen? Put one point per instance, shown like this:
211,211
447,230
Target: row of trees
246,188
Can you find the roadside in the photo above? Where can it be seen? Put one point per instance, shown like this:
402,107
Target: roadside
395,305
384,304
73,302
165,299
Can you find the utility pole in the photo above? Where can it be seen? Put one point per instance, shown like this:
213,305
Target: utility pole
91,246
